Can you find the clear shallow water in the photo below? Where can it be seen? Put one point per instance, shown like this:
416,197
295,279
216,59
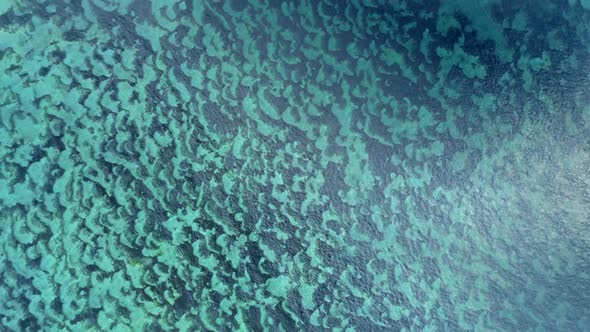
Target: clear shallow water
312,165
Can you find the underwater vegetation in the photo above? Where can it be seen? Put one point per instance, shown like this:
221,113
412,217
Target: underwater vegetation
309,165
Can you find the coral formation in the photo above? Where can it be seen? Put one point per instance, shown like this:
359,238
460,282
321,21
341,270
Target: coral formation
362,165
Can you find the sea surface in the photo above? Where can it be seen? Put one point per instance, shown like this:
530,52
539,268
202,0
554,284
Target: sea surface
309,165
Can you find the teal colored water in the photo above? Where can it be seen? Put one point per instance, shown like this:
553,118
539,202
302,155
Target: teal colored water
313,165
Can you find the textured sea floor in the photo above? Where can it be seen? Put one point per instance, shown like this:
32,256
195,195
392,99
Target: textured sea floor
362,165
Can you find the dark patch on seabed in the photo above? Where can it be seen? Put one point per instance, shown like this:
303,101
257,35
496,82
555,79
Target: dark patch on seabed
363,165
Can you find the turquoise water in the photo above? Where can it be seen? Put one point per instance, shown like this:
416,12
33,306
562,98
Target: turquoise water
294,165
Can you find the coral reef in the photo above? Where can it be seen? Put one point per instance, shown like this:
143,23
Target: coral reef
312,165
